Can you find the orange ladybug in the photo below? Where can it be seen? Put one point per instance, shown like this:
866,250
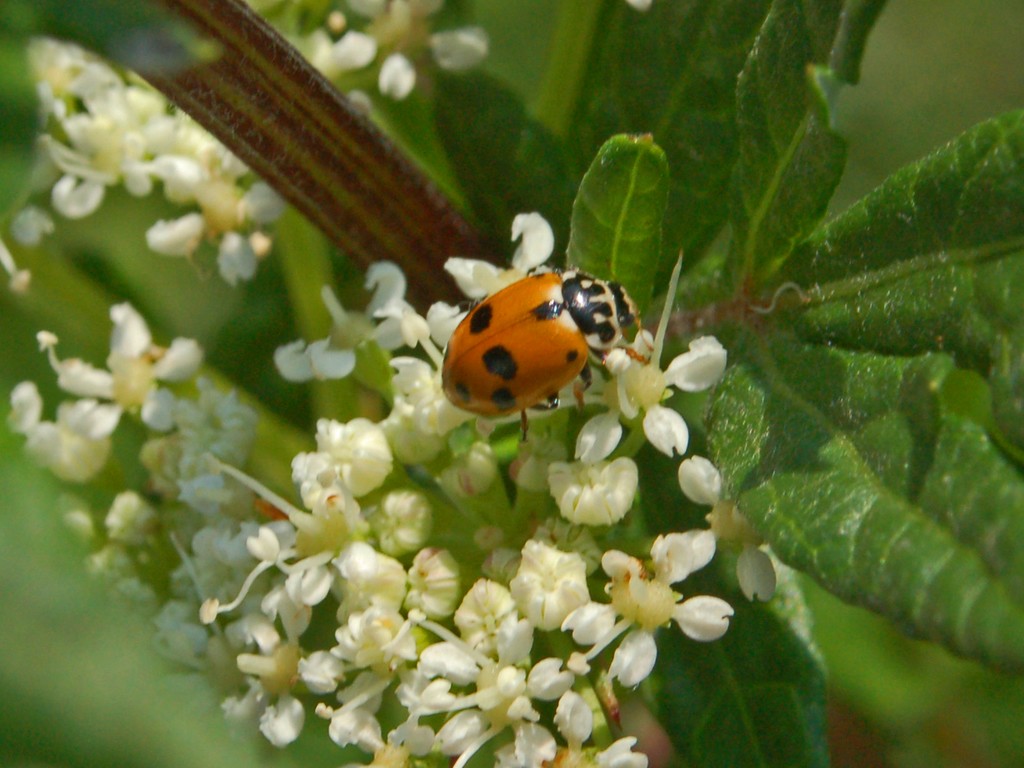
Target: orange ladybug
518,347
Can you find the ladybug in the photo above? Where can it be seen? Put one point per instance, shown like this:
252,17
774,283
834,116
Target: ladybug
518,347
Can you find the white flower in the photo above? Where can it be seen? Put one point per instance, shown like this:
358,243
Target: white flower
74,447
574,718
700,368
356,451
353,50
379,639
434,585
700,480
621,755
472,473
236,259
281,723
549,585
369,578
477,279
135,364
460,49
428,411
756,573
334,357
646,601
273,671
402,522
502,692
483,609
402,31
116,130
642,386
130,519
75,198
176,237
30,225
598,437
397,77
594,494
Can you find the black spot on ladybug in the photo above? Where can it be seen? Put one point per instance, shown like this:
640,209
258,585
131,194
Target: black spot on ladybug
499,361
503,398
481,319
549,310
462,391
571,356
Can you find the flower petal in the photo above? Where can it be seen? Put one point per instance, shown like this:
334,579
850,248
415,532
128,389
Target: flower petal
537,241
330,363
677,555
180,362
703,618
293,361
634,658
700,368
598,438
756,574
459,49
397,77
700,480
666,430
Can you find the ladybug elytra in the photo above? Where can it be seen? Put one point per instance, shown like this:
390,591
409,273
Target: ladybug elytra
518,347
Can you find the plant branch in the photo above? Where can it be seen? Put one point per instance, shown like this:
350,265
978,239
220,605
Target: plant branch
264,101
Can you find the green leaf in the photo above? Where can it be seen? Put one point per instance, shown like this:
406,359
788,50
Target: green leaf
507,162
790,157
681,89
754,698
933,260
616,219
848,465
19,116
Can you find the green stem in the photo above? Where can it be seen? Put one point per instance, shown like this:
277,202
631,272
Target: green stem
306,265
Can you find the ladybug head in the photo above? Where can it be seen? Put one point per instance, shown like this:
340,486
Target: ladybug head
625,308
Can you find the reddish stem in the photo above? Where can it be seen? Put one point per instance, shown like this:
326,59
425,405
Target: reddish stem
264,101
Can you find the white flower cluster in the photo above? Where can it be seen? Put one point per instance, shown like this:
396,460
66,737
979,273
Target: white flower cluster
452,594
106,129
389,37
185,499
414,599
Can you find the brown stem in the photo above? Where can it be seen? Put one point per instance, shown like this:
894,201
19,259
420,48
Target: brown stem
264,101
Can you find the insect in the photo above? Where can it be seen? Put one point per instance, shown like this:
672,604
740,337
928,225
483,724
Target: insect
518,347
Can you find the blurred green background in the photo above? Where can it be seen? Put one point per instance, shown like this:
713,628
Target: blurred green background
932,69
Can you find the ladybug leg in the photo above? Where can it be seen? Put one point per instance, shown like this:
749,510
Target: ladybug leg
524,424
638,356
582,384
